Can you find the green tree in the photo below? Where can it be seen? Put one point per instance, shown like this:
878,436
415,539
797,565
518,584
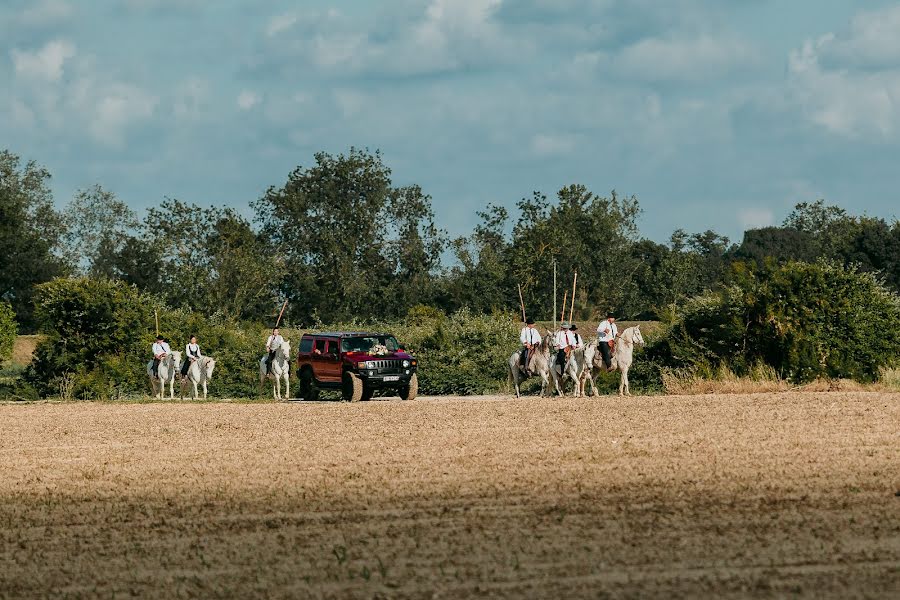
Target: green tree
30,233
336,226
98,227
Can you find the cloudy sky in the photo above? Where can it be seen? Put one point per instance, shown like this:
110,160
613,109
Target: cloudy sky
715,113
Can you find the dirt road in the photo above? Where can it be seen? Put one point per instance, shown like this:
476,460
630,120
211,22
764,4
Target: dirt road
726,496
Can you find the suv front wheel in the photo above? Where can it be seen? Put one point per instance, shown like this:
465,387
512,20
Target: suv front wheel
352,387
411,390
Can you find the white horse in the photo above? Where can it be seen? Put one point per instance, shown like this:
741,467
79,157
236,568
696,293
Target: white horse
169,365
540,360
621,360
200,372
281,365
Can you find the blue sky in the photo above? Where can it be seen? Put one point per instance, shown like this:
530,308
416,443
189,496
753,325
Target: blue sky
716,114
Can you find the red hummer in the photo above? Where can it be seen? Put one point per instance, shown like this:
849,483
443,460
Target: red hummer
357,363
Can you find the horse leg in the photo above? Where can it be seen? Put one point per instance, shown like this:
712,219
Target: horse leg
593,383
627,385
287,384
622,384
204,389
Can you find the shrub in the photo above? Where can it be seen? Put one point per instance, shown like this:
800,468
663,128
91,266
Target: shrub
7,330
806,321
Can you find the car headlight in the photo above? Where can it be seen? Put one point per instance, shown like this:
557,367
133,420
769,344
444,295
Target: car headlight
405,364
370,364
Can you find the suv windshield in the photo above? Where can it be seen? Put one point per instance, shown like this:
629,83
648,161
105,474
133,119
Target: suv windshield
367,343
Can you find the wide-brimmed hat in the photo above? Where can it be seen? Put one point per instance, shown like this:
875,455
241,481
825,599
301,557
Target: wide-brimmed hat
529,321
610,315
564,326
574,327
160,338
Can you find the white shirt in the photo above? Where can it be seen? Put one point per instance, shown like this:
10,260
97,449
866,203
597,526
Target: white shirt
274,342
160,348
564,339
607,331
192,350
530,335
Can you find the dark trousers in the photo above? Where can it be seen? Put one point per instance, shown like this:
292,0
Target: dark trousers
269,362
561,358
607,355
185,366
523,359
156,367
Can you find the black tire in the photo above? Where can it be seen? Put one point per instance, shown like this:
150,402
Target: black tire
410,391
308,389
352,387
367,393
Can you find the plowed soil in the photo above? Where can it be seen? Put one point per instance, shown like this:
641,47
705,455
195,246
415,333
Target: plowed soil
712,496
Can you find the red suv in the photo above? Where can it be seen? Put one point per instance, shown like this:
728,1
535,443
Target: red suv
357,363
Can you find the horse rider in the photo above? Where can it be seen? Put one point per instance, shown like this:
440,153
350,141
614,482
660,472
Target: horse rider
530,339
272,345
566,341
607,332
160,351
578,341
192,353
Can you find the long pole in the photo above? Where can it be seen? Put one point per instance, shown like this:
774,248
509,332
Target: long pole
156,316
521,301
562,315
572,307
554,294
281,313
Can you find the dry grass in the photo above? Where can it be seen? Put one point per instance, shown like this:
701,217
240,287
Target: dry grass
23,349
713,496
764,380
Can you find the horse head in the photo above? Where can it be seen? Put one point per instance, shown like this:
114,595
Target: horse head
285,350
636,335
208,365
174,358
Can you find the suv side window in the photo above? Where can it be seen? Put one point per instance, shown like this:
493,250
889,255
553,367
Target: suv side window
306,345
332,349
320,346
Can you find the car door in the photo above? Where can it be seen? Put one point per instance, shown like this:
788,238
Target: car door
331,361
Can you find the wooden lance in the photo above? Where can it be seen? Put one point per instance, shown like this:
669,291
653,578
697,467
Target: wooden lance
521,302
572,307
562,315
281,314
156,316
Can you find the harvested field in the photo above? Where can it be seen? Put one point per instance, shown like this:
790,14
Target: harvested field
720,496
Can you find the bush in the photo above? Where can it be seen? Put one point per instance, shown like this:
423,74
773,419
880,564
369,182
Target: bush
806,321
7,330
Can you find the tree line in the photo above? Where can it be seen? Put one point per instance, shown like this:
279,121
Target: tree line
340,241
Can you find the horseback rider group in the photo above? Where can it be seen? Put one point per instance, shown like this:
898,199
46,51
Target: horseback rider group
161,349
567,339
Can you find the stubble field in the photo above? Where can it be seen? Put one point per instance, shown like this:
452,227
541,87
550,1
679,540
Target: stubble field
765,495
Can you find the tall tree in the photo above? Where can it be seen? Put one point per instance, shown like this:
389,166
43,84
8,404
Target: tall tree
98,227
336,225
30,233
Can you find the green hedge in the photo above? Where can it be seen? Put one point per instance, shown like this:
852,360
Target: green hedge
806,321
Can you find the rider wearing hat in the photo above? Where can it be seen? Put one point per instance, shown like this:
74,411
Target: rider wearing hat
160,350
606,338
530,339
566,341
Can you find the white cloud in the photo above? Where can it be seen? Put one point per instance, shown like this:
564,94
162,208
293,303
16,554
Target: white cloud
872,40
280,23
116,108
852,103
683,59
753,217
551,144
248,99
46,12
44,64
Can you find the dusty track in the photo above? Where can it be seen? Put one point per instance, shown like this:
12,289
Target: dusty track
725,496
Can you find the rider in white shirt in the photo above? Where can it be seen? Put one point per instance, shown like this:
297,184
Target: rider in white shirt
191,353
606,338
160,351
566,341
530,338
272,345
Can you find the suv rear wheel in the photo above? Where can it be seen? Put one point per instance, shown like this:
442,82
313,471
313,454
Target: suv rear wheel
410,391
308,389
352,387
